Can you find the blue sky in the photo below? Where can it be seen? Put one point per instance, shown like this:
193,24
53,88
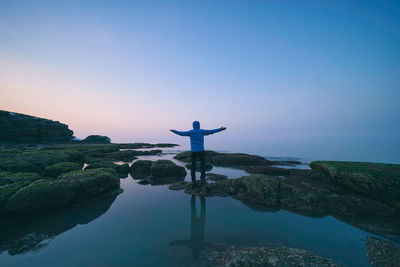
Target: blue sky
271,71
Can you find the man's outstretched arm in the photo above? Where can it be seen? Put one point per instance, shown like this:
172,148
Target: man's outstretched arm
207,132
186,133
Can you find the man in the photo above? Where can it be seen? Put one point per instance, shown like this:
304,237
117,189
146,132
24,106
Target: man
197,148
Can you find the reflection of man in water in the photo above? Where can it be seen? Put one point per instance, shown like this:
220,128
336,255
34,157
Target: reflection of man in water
196,242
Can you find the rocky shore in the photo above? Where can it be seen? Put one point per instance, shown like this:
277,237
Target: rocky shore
41,177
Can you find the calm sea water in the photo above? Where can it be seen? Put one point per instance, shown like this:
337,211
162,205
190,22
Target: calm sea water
154,226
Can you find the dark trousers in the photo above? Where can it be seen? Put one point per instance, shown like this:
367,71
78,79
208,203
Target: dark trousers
200,155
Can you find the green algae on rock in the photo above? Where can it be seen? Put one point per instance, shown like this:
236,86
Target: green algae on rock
141,169
60,168
68,188
121,169
376,180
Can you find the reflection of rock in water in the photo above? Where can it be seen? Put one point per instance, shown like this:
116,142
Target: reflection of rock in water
21,235
305,195
382,252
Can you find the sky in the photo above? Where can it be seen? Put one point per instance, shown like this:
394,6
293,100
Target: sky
312,79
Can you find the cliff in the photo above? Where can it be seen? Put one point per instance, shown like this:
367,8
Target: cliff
15,127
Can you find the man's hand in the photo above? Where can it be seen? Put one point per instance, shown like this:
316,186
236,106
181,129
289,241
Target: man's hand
223,128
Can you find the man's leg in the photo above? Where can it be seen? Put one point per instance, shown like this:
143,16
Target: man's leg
193,170
202,167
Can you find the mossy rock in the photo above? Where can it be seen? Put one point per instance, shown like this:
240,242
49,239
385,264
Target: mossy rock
377,180
257,188
208,166
238,159
43,158
10,177
60,168
68,188
141,169
13,165
124,155
121,169
166,172
6,191
186,156
166,168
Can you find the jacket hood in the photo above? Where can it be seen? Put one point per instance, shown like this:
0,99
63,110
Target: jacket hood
196,125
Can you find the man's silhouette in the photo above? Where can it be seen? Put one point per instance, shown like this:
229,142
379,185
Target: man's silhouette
197,147
197,225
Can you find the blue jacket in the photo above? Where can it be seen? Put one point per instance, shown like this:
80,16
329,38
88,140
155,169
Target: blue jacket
197,136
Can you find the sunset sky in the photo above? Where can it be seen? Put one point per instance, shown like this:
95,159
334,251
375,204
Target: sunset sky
297,74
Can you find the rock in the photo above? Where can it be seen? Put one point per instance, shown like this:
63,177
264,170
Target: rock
17,127
9,177
166,172
376,180
186,156
267,170
144,145
251,163
121,169
239,159
215,177
257,188
36,160
68,188
263,256
97,139
141,169
382,252
208,166
60,168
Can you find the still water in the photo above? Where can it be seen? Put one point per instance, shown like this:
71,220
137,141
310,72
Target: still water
153,226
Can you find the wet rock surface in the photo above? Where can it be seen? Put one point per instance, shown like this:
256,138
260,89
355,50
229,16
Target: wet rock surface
68,188
377,180
307,193
60,168
382,252
38,174
263,256
252,164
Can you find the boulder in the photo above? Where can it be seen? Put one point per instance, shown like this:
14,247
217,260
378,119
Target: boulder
257,188
9,177
239,159
68,188
36,160
166,172
97,139
60,168
376,180
141,169
17,127
121,169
